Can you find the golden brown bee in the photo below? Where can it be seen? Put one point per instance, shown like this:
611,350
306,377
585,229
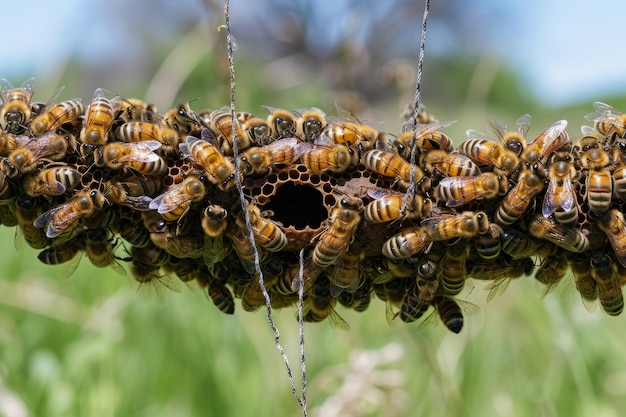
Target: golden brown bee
488,244
417,299
573,240
63,253
513,141
139,131
500,272
10,142
85,203
608,121
145,267
333,159
267,233
604,273
486,152
243,247
289,283
258,131
552,270
260,160
207,153
619,173
545,143
334,241
310,123
519,245
450,313
222,124
319,305
387,206
518,199
214,223
392,165
358,300
177,200
98,120
447,164
560,192
466,224
221,296
282,122
134,110
15,112
614,225
134,234
408,242
27,158
133,191
427,139
346,276
179,241
457,191
357,135
57,116
51,181
182,119
598,180
392,292
454,268
27,209
100,247
585,284
136,156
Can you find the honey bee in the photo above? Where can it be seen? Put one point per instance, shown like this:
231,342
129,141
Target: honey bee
619,173
252,296
182,119
449,312
282,122
417,299
178,199
454,268
608,121
545,143
357,135
221,296
26,159
222,123
63,253
500,272
258,131
244,248
447,164
464,225
346,276
289,284
518,199
614,225
344,219
51,181
552,270
179,241
207,153
15,112
214,222
133,110
598,180
359,300
260,160
145,267
387,206
134,234
139,131
333,159
604,273
488,244
54,116
133,191
392,292
573,240
457,191
136,156
486,152
99,247
85,203
27,209
409,242
427,138
560,192
98,121
10,142
585,284
519,245
319,305
267,233
392,165
310,123
513,141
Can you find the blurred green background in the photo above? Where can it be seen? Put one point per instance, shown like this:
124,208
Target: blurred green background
92,345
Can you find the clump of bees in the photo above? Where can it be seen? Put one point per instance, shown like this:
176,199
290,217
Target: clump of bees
122,183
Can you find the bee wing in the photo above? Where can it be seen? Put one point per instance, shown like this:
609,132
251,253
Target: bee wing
564,198
5,87
475,134
336,320
141,203
46,219
497,287
280,157
432,127
590,305
602,110
523,124
207,136
499,127
29,86
51,101
323,139
170,200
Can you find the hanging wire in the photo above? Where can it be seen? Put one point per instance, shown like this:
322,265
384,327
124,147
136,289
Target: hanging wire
231,67
413,120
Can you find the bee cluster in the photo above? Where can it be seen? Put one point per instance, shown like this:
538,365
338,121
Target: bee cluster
122,183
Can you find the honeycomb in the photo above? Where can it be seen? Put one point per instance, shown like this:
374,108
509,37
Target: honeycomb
157,194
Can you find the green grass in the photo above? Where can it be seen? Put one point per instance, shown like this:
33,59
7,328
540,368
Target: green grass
93,345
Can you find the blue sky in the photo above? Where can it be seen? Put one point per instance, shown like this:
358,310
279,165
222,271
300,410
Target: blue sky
564,50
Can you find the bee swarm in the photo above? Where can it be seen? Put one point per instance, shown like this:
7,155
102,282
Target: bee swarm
117,180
